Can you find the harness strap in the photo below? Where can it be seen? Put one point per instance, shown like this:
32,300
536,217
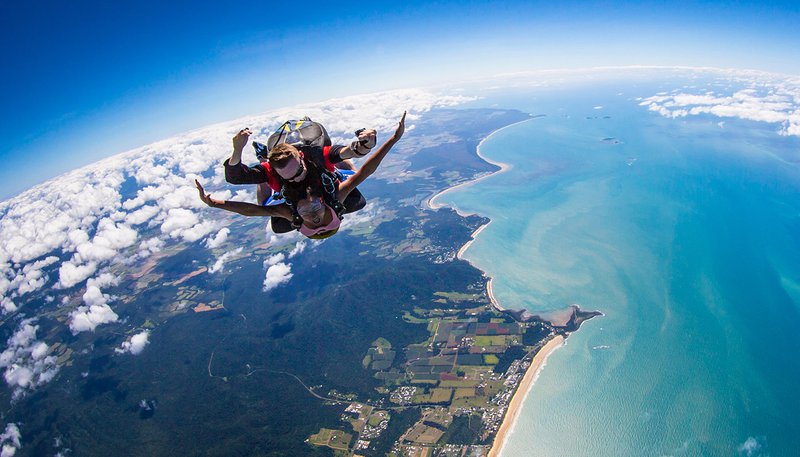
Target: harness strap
329,180
329,185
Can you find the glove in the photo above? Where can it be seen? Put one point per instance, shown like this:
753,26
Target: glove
367,138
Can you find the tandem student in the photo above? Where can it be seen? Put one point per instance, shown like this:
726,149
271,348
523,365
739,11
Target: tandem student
275,175
321,211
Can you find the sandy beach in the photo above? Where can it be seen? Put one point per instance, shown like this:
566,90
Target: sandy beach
489,292
522,392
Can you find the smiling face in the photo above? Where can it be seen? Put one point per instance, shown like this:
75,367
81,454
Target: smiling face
313,211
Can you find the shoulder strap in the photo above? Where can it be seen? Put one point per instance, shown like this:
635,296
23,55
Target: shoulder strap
326,154
272,177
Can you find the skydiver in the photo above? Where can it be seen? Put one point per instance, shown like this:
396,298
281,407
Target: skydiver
319,218
278,173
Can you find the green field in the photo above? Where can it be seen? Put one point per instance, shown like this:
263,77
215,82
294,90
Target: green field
334,439
487,340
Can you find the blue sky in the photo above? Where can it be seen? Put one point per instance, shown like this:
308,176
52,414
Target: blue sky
88,79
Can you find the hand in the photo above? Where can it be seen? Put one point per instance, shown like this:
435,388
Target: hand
206,197
401,127
367,138
240,139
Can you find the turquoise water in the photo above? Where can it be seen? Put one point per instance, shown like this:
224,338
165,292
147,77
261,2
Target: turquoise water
687,236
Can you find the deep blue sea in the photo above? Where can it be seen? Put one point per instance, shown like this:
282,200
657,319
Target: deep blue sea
686,234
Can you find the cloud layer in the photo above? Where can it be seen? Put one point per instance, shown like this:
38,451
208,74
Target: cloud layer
59,240
771,99
83,218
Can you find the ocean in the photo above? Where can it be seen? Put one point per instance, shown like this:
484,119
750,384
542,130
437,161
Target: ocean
686,234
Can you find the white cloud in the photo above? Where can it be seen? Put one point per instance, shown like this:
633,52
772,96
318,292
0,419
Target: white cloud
274,259
103,280
147,194
70,274
184,223
32,277
10,440
8,305
114,235
298,248
218,239
277,274
110,238
220,263
141,215
199,230
8,450
150,246
94,297
365,216
770,99
242,195
25,360
136,344
39,350
151,173
94,312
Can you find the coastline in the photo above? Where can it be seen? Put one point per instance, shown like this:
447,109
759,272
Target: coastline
514,407
433,205
503,168
539,359
490,293
471,240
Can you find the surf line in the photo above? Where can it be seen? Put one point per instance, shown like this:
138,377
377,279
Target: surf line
540,358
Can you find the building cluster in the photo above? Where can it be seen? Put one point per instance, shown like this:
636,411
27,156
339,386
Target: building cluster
403,395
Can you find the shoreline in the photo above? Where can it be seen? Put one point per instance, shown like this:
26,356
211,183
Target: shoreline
490,292
539,360
503,168
515,406
433,205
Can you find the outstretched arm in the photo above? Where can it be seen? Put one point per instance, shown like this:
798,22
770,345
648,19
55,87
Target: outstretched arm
243,208
372,163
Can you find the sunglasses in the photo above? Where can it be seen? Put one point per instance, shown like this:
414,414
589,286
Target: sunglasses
312,210
300,171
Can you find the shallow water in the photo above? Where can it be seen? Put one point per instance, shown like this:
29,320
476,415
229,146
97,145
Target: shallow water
685,234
